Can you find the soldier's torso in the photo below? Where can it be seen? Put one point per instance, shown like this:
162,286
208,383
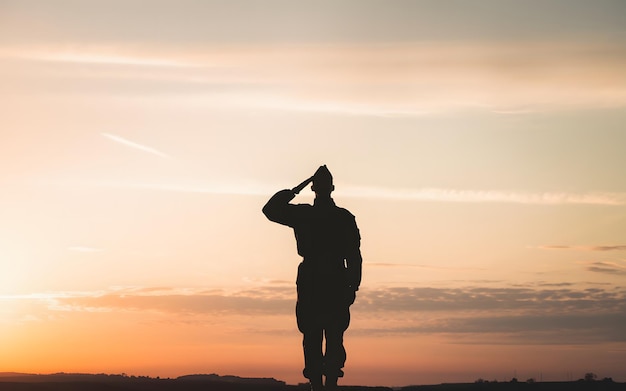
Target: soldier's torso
323,232
324,235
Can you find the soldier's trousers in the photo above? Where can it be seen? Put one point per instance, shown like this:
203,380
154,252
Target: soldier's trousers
323,314
318,325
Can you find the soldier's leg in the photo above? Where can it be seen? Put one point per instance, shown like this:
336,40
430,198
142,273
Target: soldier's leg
309,326
335,355
312,335
312,345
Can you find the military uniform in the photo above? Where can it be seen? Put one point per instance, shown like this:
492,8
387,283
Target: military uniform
328,240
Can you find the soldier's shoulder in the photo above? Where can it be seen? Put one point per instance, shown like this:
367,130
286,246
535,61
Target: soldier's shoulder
345,212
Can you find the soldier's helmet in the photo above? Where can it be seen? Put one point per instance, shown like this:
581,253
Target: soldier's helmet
323,180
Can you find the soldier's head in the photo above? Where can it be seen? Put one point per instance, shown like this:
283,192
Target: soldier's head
322,182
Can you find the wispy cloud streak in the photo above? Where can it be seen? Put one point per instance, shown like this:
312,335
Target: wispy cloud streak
135,145
394,80
585,248
453,195
418,195
96,56
607,268
414,266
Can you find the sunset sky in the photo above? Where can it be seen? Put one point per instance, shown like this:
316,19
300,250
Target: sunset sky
481,146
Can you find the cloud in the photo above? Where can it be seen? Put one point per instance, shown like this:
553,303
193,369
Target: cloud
554,284
496,315
470,314
417,195
404,299
476,196
609,248
607,268
391,80
135,145
99,56
551,329
207,188
416,266
399,265
584,248
555,247
273,299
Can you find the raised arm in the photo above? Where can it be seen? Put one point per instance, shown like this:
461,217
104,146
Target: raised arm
277,208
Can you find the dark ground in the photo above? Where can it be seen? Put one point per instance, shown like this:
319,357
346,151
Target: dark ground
86,382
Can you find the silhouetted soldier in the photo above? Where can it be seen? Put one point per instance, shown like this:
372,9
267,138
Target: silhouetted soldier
328,277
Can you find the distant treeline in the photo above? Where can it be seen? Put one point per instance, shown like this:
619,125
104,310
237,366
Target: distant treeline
123,382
